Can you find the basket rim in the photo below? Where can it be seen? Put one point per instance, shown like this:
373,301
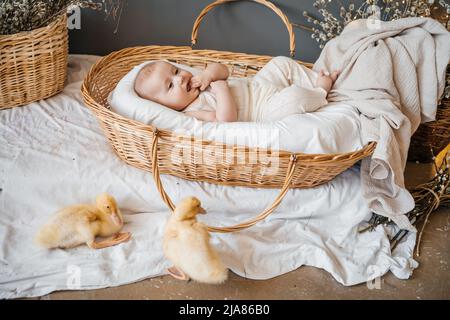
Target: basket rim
148,128
58,19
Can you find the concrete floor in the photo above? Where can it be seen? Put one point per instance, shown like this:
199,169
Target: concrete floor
430,281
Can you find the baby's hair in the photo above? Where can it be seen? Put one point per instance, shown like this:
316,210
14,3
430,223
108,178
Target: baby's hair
144,72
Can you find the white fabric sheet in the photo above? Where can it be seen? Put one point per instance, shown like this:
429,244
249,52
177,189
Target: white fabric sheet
53,154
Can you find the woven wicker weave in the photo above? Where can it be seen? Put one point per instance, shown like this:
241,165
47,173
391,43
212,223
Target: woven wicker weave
433,135
164,152
33,64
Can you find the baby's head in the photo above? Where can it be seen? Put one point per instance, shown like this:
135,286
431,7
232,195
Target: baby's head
165,84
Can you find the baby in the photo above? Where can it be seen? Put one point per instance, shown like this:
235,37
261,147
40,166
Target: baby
180,90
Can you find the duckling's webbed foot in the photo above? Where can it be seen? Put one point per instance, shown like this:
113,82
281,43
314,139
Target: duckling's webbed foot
121,237
118,238
178,273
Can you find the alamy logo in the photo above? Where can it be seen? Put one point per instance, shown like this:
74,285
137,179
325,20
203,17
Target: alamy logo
234,151
374,19
74,18
73,277
377,281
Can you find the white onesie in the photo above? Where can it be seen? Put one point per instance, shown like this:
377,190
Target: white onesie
281,88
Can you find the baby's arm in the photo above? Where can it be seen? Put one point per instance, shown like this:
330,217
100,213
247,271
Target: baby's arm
209,116
217,71
226,109
213,72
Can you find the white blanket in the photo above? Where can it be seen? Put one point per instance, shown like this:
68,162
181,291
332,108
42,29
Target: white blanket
394,73
54,154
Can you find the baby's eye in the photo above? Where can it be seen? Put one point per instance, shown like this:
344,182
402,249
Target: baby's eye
171,85
176,71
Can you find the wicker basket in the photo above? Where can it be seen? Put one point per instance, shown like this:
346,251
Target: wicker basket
33,64
148,148
432,137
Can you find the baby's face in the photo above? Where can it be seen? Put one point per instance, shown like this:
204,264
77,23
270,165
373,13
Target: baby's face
166,84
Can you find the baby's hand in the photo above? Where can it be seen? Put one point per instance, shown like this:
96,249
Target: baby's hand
201,81
219,86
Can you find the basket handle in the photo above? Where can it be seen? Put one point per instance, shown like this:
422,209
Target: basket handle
287,183
266,3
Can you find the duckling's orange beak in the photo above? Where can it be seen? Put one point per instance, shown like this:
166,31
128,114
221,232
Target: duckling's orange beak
201,210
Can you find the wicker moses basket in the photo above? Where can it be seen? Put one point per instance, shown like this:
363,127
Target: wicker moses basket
148,148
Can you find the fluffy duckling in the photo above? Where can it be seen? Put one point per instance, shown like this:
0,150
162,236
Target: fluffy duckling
186,245
79,224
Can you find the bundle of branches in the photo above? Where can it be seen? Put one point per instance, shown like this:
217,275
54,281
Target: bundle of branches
335,15
427,196
26,15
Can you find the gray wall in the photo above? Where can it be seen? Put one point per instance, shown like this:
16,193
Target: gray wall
240,27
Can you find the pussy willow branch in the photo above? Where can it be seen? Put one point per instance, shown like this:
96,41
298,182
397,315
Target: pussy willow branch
112,8
331,24
26,15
